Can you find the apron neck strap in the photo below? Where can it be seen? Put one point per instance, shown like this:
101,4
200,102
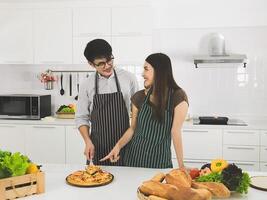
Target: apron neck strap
116,80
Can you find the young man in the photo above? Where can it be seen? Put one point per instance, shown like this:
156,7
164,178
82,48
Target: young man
104,103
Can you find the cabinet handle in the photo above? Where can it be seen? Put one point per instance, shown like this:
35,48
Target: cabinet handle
15,62
195,162
244,148
92,34
7,126
52,61
247,164
240,132
195,131
44,127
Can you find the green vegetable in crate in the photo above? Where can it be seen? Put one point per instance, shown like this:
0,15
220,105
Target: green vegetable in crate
14,164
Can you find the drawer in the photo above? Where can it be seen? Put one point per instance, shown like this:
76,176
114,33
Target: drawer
246,166
263,167
241,153
241,137
263,154
202,144
264,138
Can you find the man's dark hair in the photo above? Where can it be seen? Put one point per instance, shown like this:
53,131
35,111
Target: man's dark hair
97,48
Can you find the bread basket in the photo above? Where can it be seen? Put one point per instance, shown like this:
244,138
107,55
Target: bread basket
141,196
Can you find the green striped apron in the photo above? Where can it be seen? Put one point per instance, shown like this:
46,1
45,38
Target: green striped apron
150,146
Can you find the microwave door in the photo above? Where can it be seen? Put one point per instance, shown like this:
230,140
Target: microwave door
15,107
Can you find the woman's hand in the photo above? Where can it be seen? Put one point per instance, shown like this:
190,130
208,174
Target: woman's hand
113,156
89,150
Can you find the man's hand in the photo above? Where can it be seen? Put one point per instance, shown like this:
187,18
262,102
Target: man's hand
113,156
89,150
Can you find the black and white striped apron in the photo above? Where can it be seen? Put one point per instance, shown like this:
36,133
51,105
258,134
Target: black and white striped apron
151,144
109,121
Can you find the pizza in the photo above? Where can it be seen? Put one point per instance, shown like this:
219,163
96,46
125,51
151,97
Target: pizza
92,176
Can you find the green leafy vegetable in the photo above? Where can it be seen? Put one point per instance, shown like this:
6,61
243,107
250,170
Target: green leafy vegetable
12,164
244,184
212,177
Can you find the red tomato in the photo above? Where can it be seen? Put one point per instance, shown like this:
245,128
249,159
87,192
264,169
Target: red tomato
194,173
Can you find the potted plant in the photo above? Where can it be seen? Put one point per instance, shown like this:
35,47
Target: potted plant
48,78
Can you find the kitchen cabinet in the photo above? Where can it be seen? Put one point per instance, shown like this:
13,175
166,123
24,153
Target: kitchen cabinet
191,163
264,138
52,36
91,21
263,167
74,146
12,138
131,49
241,137
134,20
45,143
79,44
202,144
241,153
16,36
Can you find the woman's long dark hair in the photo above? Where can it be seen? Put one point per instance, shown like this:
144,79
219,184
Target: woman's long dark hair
163,82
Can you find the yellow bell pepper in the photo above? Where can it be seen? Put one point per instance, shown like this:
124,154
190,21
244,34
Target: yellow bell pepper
218,165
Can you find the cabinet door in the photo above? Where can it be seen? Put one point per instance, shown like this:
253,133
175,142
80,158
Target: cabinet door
74,146
131,49
91,22
46,144
241,137
12,138
16,36
264,138
202,144
79,44
134,20
52,36
241,153
263,167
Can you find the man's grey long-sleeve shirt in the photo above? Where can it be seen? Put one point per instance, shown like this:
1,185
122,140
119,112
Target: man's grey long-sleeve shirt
128,84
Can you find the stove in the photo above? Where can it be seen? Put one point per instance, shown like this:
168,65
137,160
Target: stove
210,120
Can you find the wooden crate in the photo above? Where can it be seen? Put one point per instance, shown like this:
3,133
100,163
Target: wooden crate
65,115
20,186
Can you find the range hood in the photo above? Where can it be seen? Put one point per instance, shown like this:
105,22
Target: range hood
217,54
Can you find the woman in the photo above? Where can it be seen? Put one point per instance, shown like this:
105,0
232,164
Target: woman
158,113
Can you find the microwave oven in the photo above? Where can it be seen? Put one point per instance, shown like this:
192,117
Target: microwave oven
25,106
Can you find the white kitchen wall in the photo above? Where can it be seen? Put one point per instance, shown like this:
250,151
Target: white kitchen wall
179,29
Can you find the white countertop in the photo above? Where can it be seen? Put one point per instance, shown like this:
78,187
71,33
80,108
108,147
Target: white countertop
124,186
251,124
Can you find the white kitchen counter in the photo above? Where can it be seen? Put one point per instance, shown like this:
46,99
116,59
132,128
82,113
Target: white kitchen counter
123,187
251,124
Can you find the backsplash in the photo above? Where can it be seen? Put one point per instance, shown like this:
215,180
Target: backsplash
179,29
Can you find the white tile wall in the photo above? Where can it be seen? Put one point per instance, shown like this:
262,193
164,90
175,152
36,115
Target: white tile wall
221,90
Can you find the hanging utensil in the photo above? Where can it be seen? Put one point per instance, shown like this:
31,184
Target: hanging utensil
61,82
78,85
70,84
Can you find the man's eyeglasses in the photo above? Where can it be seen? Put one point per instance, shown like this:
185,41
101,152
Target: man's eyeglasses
103,64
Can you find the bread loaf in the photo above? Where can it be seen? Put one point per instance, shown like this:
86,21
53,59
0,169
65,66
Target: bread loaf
159,177
170,192
158,189
217,189
179,178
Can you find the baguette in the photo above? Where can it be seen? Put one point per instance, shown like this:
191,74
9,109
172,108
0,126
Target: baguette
179,178
155,188
217,189
159,177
